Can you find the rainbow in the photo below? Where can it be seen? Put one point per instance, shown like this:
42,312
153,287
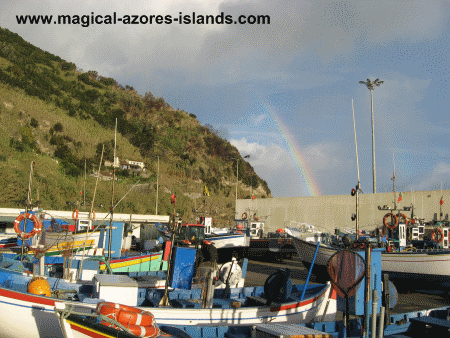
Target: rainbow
305,173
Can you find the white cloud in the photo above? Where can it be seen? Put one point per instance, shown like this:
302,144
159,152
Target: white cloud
439,174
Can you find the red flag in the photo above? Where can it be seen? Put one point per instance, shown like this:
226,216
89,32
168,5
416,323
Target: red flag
400,197
442,200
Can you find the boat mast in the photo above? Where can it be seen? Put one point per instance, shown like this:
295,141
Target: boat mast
90,213
112,196
358,186
393,183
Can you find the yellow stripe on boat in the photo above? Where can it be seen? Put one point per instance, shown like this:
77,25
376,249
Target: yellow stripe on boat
129,262
86,328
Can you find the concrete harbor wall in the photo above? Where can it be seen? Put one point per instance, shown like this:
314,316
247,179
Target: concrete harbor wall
335,211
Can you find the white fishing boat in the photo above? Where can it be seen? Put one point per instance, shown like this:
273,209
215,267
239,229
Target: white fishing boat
235,306
407,266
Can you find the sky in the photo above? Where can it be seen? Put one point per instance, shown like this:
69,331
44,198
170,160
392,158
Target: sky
282,92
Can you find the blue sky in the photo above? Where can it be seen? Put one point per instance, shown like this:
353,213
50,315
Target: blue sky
304,68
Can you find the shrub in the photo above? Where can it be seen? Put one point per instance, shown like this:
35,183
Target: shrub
58,127
34,123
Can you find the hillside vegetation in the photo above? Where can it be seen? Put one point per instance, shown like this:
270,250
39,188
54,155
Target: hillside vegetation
60,117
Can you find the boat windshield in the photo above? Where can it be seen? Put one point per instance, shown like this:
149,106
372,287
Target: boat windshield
192,233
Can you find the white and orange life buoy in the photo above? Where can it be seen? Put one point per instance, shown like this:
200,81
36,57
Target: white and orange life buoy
75,215
244,215
394,217
37,225
93,214
437,233
140,322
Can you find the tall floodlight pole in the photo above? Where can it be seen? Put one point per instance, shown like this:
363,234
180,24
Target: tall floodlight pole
371,86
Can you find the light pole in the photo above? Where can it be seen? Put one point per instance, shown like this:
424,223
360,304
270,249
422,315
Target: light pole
371,86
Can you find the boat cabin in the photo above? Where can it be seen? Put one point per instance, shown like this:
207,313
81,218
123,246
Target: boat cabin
190,234
83,224
207,222
256,228
417,231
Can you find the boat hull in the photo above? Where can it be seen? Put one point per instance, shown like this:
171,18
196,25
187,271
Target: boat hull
38,319
426,269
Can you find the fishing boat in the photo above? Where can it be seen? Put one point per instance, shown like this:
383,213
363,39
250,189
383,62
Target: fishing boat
57,240
235,306
412,324
407,265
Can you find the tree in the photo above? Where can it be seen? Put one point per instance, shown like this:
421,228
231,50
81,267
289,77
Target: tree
58,127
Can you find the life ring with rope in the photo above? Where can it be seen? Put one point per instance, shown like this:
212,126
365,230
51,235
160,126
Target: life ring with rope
37,225
75,215
93,214
404,217
140,322
244,215
394,217
437,235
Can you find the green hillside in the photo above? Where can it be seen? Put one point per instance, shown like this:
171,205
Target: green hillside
60,117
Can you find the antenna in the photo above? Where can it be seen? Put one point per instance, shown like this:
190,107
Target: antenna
356,144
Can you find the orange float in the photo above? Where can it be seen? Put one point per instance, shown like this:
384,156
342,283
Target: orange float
39,286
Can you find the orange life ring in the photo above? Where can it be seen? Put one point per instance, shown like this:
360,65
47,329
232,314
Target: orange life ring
390,226
75,215
140,322
389,248
93,214
37,225
433,235
404,217
244,215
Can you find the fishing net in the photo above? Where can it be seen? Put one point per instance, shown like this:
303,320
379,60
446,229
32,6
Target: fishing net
346,270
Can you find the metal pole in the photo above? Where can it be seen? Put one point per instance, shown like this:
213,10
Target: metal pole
157,187
357,212
381,323
374,313
84,192
373,146
310,271
367,290
237,177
